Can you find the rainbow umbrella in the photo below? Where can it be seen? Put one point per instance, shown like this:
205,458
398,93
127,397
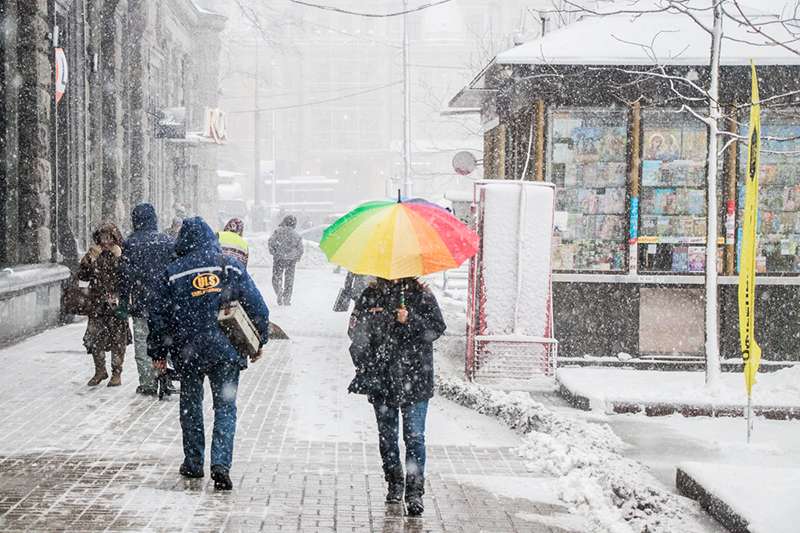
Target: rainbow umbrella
399,239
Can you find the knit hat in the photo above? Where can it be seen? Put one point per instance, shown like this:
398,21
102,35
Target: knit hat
235,225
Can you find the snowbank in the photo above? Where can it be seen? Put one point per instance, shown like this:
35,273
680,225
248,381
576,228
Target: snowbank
604,386
764,497
614,493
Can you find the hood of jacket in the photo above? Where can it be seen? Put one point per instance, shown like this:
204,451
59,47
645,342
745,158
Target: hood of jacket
144,218
196,235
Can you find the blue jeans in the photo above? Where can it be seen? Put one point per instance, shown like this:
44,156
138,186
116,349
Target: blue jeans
224,379
413,435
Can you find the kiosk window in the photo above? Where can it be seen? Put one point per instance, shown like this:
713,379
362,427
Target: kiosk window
587,163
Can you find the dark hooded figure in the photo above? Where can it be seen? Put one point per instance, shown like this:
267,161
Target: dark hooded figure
145,255
393,327
286,247
106,331
184,324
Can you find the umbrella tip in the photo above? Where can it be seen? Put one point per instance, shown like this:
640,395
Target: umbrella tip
398,196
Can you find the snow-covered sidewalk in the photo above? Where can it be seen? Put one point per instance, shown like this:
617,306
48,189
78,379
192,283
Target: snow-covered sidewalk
306,459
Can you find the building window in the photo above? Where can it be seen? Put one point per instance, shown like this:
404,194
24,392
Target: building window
587,163
778,193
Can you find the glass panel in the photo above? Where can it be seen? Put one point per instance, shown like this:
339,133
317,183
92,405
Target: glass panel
586,155
778,194
672,201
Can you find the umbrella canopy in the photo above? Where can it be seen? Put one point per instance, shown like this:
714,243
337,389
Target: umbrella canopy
394,240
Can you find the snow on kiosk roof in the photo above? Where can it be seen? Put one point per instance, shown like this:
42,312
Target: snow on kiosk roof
675,40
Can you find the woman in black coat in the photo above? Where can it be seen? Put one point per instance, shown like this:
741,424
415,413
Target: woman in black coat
393,327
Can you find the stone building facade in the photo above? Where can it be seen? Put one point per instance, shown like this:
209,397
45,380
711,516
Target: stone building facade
65,168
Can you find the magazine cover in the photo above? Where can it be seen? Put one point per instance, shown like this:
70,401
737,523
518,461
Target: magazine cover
697,258
680,258
664,201
696,202
651,172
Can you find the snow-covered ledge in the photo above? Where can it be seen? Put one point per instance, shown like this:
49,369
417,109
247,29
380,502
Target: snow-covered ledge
30,299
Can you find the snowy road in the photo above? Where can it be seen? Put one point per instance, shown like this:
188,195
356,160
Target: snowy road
80,459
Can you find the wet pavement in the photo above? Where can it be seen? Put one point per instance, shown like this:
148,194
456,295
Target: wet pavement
74,458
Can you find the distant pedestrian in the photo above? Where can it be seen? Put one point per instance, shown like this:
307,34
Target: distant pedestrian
185,324
107,329
393,327
145,255
232,241
286,247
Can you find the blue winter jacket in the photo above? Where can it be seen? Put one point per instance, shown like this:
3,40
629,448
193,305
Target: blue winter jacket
183,322
145,255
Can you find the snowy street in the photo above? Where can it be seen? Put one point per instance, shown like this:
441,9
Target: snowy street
306,459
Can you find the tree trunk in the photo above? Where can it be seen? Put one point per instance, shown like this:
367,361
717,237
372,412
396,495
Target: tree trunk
713,369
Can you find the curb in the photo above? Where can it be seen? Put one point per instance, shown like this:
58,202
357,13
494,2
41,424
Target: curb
688,410
717,508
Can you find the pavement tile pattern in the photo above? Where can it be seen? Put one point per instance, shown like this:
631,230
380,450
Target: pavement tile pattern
79,459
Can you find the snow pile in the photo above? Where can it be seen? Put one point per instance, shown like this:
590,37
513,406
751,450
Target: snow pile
614,493
604,385
764,496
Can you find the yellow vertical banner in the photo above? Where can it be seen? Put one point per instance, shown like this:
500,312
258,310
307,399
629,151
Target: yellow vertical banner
751,352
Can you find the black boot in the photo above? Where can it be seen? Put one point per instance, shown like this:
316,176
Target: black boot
187,471
221,477
396,486
415,488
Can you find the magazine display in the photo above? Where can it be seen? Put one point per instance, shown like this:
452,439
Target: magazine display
672,216
778,194
588,167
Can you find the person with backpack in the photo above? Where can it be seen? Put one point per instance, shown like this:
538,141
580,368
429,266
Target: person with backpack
184,324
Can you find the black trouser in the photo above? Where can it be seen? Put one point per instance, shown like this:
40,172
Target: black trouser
283,279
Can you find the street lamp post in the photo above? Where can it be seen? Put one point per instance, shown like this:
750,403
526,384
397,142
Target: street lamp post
406,109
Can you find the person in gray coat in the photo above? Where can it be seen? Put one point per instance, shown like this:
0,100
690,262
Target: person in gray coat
286,247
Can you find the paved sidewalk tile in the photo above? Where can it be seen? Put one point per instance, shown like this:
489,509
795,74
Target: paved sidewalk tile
74,458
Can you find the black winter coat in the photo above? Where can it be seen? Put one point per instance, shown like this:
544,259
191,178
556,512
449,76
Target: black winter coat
145,255
394,361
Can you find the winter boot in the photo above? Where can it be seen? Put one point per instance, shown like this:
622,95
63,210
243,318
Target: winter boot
221,477
396,486
415,488
188,471
116,370
100,372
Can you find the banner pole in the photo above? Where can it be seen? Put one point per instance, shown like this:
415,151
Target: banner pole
749,416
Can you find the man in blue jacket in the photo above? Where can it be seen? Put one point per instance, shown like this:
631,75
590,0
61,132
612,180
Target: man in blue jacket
145,255
184,323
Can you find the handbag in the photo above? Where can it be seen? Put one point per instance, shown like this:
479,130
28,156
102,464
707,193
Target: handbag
76,300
